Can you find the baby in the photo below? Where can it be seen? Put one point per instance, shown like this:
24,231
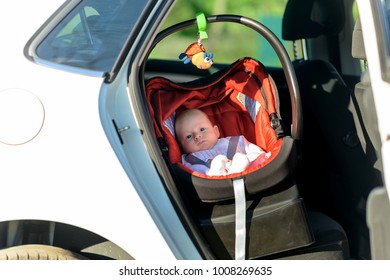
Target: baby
206,153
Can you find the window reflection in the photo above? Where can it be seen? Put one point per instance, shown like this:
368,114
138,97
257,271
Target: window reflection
93,34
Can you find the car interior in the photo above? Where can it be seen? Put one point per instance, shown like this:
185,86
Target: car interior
348,175
336,162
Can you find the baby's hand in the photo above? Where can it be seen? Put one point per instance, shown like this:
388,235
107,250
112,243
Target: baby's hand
218,166
238,164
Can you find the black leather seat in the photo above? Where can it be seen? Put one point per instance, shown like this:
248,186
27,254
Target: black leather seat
331,152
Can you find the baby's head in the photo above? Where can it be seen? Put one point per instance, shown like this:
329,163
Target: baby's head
195,132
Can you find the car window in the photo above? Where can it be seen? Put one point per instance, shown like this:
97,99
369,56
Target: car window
383,32
386,30
227,41
92,34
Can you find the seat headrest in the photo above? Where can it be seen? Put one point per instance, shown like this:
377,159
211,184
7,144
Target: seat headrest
298,24
358,50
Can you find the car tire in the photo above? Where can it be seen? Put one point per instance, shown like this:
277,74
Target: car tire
38,252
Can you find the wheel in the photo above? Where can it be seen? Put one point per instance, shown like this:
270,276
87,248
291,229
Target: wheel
38,252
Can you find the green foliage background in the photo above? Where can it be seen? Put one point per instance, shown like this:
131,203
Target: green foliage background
227,41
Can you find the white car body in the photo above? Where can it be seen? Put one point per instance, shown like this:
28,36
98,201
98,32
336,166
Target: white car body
60,158
68,173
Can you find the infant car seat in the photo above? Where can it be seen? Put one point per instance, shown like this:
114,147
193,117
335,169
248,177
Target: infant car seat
257,212
241,101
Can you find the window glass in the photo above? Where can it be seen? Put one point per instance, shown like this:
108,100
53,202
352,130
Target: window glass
227,41
386,15
384,48
92,35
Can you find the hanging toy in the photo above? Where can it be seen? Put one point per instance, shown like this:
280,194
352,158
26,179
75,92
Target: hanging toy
196,53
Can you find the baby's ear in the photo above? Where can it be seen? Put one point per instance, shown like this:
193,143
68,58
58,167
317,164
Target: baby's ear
217,130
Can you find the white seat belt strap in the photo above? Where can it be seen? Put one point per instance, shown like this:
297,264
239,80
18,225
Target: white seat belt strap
239,194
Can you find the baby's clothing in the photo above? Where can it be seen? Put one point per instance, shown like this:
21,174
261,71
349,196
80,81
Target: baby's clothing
230,155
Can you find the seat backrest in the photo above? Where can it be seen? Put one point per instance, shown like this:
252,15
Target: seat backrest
358,50
365,106
298,24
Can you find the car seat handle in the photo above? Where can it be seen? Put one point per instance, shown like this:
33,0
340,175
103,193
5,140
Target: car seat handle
288,69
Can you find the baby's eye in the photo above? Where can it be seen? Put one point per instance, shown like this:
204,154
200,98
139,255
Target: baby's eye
202,129
188,137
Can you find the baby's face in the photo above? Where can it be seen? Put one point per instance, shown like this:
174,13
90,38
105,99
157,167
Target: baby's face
196,133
